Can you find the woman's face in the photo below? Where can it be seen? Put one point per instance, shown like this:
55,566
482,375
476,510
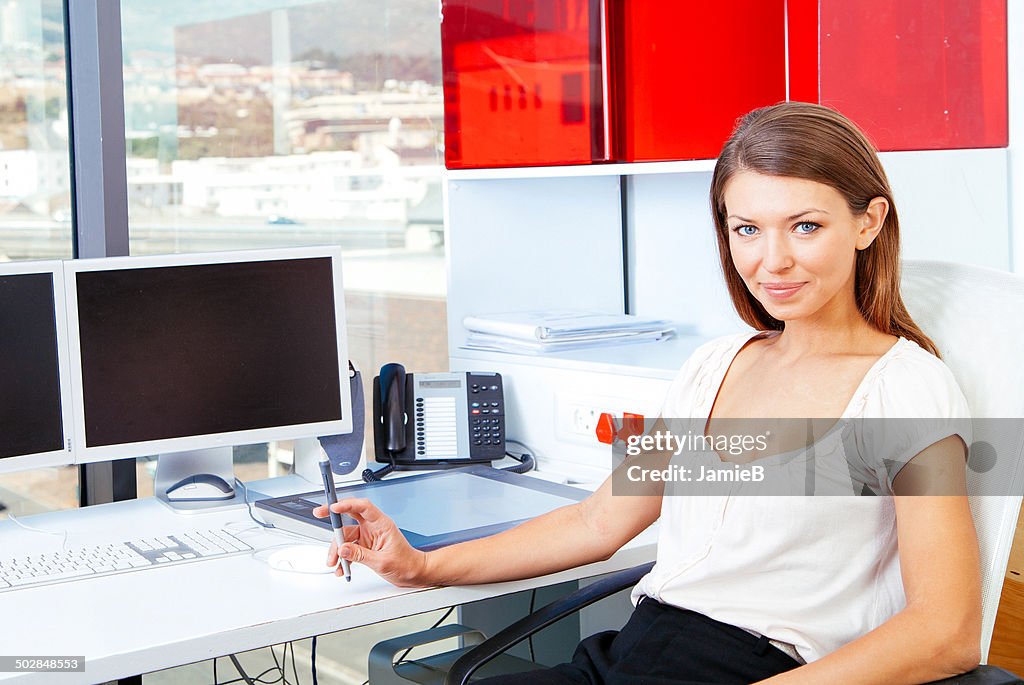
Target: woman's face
794,242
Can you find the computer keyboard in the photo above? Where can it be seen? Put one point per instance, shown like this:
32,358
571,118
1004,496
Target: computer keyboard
121,557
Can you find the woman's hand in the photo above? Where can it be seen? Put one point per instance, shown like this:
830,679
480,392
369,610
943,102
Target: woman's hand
376,542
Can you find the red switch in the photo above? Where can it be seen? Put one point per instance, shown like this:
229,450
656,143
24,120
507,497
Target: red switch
605,430
632,424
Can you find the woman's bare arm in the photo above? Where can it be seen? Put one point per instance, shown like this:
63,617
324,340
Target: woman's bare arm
581,533
938,633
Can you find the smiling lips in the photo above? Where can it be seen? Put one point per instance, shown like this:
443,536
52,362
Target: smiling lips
781,291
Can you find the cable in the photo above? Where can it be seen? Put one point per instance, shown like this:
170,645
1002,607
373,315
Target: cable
248,504
280,670
241,671
312,661
525,465
526,461
371,476
533,600
295,668
439,621
258,679
63,533
263,524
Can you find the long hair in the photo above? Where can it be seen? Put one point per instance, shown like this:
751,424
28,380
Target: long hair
815,143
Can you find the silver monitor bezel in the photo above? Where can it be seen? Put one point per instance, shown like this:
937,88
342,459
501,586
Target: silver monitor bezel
65,456
86,454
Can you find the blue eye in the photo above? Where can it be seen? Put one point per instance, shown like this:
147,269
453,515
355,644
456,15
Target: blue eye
806,227
746,231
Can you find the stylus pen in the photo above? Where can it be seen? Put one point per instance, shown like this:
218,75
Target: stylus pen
336,520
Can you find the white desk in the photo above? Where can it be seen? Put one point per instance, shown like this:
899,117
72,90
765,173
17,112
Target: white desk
162,617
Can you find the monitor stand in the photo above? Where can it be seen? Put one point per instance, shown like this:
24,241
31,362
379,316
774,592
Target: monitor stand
197,481
306,456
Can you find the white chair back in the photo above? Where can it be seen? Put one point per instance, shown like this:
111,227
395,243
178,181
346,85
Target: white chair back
975,316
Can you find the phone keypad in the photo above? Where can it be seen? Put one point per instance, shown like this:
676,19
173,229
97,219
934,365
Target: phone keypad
487,420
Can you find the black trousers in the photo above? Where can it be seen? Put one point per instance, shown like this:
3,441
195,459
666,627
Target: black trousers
663,645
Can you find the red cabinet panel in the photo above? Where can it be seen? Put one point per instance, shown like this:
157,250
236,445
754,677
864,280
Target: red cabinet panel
523,82
914,74
684,71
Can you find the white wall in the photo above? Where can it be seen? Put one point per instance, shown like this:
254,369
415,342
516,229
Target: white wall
1015,84
674,269
953,205
532,243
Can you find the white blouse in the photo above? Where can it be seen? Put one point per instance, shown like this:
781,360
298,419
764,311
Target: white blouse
814,572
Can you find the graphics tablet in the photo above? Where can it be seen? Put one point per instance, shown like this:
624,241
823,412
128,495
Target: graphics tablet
435,509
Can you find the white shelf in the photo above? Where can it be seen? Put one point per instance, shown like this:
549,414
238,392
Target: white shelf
687,166
650,360
615,169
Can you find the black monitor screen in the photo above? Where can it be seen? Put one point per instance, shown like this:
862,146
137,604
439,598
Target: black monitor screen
30,410
178,351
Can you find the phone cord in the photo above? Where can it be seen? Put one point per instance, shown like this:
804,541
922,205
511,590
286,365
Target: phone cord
371,476
526,463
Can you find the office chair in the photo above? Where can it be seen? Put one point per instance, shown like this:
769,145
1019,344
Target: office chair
976,318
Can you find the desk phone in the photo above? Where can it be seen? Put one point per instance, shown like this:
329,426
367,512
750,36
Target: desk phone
433,420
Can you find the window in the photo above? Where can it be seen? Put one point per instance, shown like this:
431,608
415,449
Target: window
35,190
264,124
272,123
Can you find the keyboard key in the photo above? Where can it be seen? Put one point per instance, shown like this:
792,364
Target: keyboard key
67,575
123,557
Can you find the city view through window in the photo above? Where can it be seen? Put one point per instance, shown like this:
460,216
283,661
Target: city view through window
300,123
35,188
249,124
35,174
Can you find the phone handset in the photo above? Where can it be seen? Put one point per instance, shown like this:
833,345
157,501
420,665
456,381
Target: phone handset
393,416
389,417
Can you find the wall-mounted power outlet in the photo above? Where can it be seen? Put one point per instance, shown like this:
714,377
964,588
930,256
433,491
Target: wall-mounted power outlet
584,420
577,416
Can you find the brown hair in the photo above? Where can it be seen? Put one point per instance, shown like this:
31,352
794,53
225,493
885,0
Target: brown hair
815,143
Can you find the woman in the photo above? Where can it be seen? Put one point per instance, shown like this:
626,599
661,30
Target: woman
781,589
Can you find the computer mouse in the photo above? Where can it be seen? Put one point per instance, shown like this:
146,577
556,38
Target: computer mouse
200,487
300,559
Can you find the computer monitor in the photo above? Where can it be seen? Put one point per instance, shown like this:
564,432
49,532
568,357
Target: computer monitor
185,356
35,412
